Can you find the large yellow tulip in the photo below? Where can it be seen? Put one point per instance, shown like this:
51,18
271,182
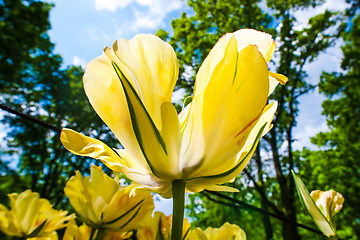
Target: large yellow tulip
31,217
102,203
211,141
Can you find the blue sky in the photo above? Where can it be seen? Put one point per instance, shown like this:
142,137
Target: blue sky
82,28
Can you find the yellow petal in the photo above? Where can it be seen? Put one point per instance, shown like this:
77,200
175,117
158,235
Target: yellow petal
184,117
31,216
154,66
106,95
89,147
26,207
329,202
266,45
74,232
81,200
275,79
102,203
320,220
197,234
121,162
8,223
162,161
226,231
220,117
212,187
49,236
225,173
126,211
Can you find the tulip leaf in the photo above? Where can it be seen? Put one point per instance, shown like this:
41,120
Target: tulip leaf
126,213
136,107
230,171
37,230
318,217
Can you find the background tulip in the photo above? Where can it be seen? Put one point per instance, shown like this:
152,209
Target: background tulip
31,217
102,203
321,206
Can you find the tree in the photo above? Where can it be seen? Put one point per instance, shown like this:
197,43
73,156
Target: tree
336,164
23,29
36,84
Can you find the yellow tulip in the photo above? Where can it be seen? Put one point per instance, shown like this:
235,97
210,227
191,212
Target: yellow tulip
226,231
31,217
329,202
211,141
83,232
102,203
159,227
74,232
321,206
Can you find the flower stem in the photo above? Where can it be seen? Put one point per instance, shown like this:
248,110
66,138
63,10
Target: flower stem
93,230
178,191
100,234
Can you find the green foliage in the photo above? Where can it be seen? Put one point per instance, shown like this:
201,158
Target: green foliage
23,24
336,165
33,82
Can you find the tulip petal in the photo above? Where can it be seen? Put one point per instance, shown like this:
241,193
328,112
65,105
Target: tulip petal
144,128
120,161
220,117
260,128
154,65
85,146
152,144
275,79
234,169
106,95
264,42
319,219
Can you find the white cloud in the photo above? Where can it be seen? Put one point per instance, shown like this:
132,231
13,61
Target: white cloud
111,5
151,15
303,16
302,138
77,61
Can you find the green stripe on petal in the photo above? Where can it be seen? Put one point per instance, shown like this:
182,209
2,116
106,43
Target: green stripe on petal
144,128
132,217
249,153
126,213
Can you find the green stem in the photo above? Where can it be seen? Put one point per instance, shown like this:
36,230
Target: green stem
100,234
178,191
93,230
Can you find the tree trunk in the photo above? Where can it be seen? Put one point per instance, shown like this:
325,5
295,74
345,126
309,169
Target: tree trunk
289,230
